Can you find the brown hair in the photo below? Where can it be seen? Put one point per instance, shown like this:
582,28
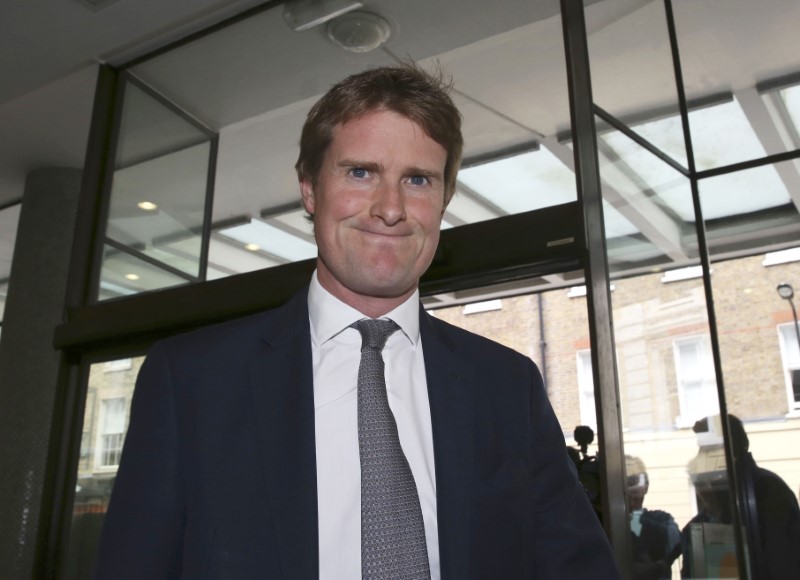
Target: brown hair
406,90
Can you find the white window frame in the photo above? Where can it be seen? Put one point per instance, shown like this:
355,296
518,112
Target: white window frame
790,360
708,397
586,400
102,449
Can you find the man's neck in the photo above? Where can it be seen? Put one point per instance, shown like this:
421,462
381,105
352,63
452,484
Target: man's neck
371,306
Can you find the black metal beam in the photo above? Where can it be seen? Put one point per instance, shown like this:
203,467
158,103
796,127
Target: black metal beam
601,331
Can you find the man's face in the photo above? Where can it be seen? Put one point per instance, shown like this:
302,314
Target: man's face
377,206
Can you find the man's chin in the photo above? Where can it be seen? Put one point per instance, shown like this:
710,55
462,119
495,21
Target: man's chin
385,289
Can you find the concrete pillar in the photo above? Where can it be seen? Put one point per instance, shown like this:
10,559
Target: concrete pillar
29,365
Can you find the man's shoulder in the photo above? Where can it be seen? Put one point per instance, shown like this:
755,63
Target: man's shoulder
234,333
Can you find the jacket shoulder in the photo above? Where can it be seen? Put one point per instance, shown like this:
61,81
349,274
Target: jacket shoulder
240,334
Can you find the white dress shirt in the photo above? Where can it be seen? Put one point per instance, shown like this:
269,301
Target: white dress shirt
336,352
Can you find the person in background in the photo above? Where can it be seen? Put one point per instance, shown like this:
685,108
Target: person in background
655,537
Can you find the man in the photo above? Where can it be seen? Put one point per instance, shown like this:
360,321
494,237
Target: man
771,513
251,450
655,537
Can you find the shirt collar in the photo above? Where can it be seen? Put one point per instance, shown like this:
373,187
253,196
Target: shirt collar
329,316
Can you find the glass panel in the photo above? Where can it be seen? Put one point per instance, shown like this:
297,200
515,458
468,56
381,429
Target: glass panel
722,134
159,188
632,74
679,500
3,294
754,250
9,218
790,357
511,185
721,70
648,208
105,422
515,159
124,274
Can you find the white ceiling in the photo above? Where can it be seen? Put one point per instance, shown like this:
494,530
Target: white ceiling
48,55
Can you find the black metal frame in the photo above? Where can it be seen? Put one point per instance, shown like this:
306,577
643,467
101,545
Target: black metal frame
598,292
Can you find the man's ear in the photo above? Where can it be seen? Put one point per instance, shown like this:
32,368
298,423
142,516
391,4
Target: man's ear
307,195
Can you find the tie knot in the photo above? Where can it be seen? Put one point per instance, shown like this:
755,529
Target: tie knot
374,332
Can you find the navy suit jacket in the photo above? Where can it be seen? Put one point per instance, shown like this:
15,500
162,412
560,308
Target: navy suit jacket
218,473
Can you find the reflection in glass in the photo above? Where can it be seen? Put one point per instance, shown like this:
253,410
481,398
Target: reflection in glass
655,536
158,194
157,207
9,218
124,274
105,422
3,294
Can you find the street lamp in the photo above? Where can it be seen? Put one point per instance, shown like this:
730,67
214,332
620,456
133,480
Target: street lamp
786,292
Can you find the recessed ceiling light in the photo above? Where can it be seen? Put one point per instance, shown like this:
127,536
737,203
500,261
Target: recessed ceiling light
252,247
359,31
147,205
132,276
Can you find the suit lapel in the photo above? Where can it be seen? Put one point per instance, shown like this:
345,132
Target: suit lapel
282,384
450,392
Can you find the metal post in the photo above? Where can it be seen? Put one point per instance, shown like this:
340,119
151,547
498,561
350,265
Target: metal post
587,173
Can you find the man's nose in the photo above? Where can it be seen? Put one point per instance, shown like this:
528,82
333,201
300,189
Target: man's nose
389,203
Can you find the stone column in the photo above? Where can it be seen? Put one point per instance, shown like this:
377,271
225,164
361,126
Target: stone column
29,365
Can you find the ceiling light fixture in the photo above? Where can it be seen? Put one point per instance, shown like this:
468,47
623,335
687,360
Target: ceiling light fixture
359,31
301,15
252,247
147,205
132,276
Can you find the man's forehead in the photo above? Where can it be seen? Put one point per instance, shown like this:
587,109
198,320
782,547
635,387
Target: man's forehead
348,138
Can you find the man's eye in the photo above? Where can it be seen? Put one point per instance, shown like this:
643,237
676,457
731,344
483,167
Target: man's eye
418,180
358,172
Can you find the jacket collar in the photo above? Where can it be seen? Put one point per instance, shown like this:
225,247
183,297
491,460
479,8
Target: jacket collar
450,392
281,380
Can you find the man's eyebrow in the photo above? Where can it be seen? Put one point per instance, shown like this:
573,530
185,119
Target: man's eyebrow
351,163
424,172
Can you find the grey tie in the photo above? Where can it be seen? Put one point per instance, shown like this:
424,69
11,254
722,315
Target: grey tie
392,530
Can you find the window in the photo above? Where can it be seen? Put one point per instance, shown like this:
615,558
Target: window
112,432
790,355
697,387
586,388
113,366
